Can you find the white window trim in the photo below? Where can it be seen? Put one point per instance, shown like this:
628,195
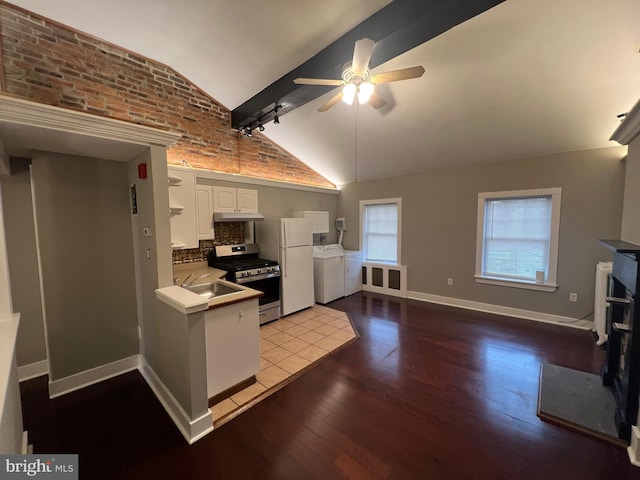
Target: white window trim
398,202
550,284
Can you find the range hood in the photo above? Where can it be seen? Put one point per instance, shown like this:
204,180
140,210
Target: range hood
237,217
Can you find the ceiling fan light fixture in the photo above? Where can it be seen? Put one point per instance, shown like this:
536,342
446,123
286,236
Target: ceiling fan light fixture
365,90
349,93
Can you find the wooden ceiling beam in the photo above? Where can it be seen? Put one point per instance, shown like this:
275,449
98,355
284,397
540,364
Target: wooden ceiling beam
396,29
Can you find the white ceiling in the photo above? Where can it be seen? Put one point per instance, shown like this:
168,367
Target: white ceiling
524,79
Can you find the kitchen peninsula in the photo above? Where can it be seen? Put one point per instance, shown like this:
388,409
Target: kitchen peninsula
231,326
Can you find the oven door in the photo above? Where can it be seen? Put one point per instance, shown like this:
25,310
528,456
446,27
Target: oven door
270,301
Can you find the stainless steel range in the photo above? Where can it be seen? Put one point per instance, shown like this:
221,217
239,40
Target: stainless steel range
243,266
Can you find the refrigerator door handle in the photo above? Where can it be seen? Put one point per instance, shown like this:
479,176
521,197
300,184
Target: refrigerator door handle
284,234
284,263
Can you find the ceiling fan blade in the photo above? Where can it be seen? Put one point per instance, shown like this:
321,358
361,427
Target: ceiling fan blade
335,99
376,101
361,56
318,81
395,75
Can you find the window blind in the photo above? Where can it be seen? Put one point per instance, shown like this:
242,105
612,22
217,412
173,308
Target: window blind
380,232
517,234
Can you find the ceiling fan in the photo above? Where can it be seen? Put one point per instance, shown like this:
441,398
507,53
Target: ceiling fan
356,80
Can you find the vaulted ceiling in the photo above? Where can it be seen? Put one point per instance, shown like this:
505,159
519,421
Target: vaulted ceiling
524,78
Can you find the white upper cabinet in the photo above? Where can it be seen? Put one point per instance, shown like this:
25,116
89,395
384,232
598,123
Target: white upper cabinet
204,210
319,220
233,200
224,200
247,200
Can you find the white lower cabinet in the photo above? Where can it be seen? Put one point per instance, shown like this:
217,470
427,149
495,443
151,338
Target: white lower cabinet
233,345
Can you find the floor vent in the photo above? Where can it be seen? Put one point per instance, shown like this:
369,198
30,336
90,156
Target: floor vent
385,279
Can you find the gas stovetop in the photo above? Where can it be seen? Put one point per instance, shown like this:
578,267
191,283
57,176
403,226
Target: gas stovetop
234,264
242,262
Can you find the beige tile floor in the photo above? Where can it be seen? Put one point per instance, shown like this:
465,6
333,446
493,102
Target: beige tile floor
288,346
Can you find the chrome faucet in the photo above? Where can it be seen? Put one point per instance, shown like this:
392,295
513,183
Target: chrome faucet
201,276
184,284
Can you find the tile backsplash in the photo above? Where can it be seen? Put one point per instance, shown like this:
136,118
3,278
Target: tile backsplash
226,233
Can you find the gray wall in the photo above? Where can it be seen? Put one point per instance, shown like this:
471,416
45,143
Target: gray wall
173,343
85,240
23,262
439,224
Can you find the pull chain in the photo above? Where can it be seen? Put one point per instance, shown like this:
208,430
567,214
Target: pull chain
355,137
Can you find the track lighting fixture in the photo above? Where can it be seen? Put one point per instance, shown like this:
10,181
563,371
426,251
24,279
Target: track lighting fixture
257,123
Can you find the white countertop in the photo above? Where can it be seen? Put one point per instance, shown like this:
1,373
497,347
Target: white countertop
188,302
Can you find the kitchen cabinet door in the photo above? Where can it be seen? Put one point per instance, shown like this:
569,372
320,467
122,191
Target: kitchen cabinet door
204,208
233,345
247,200
224,200
322,222
319,219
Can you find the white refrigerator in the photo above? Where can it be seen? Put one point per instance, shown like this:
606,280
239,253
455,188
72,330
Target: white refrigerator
290,242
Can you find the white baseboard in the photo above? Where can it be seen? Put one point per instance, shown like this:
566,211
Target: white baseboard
634,449
33,370
24,446
94,375
500,310
192,430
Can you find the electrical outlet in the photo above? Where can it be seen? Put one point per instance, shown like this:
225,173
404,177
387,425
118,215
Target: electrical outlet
573,297
449,281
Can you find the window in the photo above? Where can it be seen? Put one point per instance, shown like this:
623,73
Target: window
517,242
380,231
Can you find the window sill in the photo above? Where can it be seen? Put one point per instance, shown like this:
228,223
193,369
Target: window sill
378,262
528,285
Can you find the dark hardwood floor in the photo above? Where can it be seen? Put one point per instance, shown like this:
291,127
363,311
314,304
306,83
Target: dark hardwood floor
427,392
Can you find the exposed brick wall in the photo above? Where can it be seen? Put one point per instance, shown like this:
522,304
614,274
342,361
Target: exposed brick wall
48,63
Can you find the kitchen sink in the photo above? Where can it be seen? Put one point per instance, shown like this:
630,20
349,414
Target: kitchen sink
213,289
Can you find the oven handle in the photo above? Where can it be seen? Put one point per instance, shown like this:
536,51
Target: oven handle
257,277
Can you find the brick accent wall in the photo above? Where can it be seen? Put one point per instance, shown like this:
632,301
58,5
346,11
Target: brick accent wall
46,62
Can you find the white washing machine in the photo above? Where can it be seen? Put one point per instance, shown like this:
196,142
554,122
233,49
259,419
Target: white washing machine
328,272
